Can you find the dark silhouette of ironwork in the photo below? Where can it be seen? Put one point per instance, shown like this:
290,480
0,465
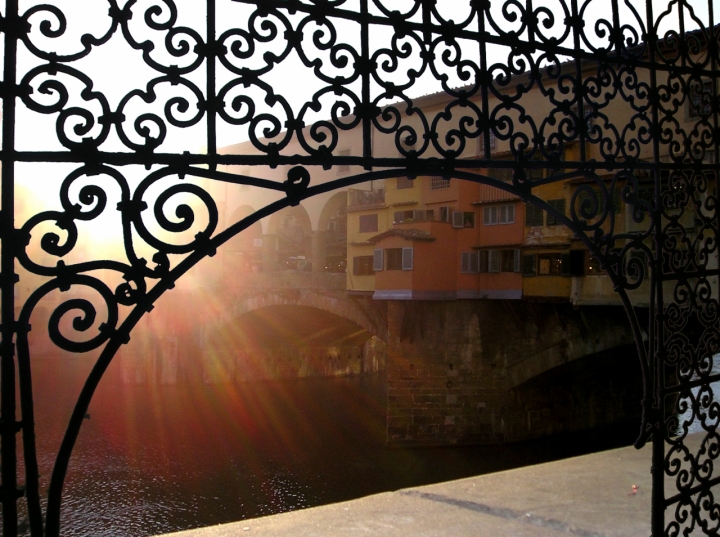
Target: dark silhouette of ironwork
659,158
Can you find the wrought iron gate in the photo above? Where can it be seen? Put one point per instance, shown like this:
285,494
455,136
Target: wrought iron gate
628,115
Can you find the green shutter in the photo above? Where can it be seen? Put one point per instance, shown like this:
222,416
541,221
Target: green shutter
528,265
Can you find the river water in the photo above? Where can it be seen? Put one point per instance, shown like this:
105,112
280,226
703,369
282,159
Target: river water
154,459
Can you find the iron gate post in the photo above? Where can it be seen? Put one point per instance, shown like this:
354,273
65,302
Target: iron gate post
8,423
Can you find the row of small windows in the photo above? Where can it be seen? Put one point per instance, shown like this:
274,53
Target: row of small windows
572,263
383,259
490,261
492,215
498,214
459,219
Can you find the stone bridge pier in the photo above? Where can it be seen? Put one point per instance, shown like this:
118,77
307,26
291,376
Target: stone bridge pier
487,371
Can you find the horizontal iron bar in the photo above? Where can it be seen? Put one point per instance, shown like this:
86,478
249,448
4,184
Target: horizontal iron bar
434,163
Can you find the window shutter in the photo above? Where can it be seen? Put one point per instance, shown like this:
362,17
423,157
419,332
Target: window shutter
407,258
457,219
565,265
511,214
474,258
486,216
528,265
533,215
378,260
464,262
516,261
494,261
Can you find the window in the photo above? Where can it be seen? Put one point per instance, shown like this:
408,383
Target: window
550,264
457,219
559,206
700,100
493,260
394,259
407,258
426,216
499,214
438,183
445,213
533,215
399,259
469,262
368,223
469,219
528,265
378,259
490,216
363,265
420,215
404,182
401,216
506,214
507,261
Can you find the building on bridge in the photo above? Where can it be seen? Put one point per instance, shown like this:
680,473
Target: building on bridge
428,238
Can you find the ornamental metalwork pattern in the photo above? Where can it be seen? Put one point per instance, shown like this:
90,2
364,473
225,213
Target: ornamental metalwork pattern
617,98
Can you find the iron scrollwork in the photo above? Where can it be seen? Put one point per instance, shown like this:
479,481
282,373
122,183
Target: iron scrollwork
545,81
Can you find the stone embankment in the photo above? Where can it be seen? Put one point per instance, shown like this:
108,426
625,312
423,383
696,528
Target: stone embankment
604,494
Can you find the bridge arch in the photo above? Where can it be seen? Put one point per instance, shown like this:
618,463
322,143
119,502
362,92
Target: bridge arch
362,313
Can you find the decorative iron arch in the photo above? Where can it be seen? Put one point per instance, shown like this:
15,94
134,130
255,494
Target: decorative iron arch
633,93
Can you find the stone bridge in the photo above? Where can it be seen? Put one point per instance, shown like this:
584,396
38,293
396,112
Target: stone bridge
457,371
322,291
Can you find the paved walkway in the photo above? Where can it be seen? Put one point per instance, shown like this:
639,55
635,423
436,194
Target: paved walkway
588,496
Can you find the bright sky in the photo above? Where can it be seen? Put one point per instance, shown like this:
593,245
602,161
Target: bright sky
117,70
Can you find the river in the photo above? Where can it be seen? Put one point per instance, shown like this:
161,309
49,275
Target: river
155,458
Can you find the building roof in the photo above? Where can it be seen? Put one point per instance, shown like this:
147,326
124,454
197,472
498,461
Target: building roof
409,234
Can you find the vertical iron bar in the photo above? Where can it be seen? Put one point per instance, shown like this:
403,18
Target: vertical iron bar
486,149
712,47
211,97
582,123
656,332
365,98
7,228
427,22
616,35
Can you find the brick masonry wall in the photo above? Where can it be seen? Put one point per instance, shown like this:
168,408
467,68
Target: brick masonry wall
453,370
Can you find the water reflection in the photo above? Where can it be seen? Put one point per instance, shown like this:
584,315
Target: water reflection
158,458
